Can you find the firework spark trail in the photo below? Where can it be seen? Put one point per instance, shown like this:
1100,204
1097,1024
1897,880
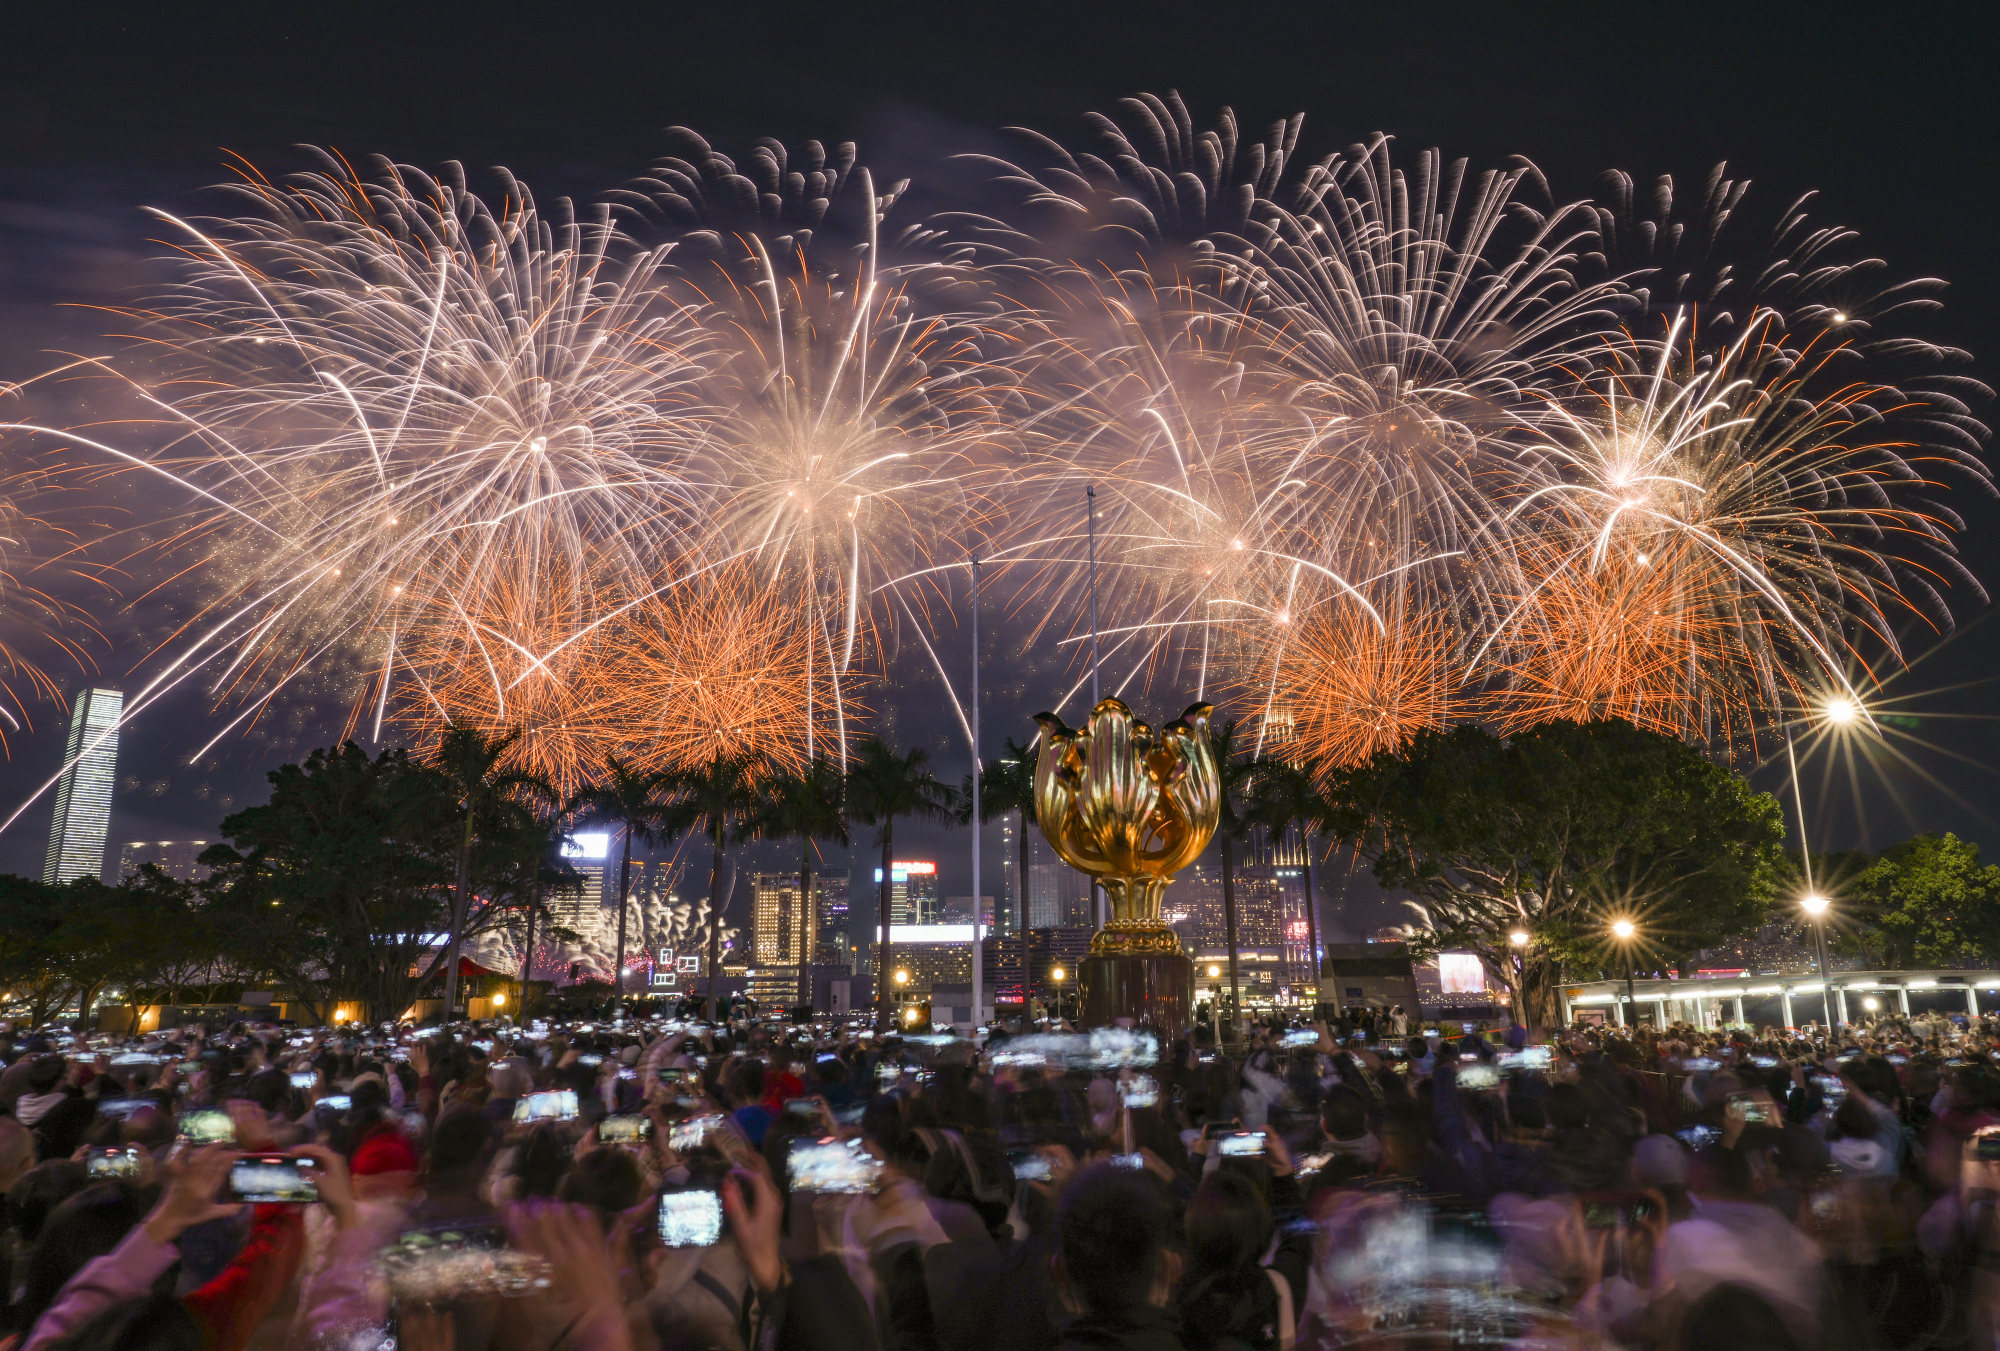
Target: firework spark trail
1378,443
429,409
1418,379
851,391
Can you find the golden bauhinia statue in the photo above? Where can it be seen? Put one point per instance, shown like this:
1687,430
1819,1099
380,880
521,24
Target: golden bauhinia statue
1130,806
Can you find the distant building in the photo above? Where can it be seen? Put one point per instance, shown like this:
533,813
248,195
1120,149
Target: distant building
83,793
575,908
958,910
913,891
783,929
836,942
933,954
1011,908
1048,949
1058,895
178,859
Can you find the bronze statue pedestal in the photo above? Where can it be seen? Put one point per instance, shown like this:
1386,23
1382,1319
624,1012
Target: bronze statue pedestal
1151,989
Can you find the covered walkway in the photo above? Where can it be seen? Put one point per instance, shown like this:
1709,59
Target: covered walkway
1753,1001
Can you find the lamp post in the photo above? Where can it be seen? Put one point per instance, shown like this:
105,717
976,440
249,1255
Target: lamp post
1056,975
1815,905
1624,930
1839,711
1518,940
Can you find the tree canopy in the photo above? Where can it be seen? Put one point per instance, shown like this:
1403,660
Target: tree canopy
1556,830
1928,901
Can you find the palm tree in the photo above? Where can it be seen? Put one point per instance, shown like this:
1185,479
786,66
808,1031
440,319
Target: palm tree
546,862
1237,771
641,804
882,785
714,796
1008,785
808,807
471,762
1284,797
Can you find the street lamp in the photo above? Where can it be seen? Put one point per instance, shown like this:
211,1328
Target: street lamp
1519,939
1624,930
1840,710
1056,975
1815,905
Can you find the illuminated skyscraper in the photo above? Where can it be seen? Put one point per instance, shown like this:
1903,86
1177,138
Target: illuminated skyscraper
1011,899
837,940
781,928
588,853
83,795
913,891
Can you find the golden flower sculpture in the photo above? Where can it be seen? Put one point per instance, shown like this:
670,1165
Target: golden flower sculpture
1131,807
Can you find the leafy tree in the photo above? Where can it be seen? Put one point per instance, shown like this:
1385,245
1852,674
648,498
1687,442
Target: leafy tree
150,932
1928,901
808,806
333,886
641,804
1554,830
884,785
713,796
473,764
30,918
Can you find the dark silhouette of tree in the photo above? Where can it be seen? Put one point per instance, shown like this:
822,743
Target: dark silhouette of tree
474,765
1557,830
885,785
642,805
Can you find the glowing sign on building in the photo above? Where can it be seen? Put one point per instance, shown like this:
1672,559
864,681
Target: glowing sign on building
588,844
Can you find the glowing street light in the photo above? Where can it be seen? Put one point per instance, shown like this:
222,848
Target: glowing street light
1816,905
1624,931
903,978
1841,710
1519,938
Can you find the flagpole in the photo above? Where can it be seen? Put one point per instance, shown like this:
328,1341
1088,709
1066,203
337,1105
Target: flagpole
1097,915
978,970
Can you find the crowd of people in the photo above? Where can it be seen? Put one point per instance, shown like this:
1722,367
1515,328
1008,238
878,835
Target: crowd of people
648,1184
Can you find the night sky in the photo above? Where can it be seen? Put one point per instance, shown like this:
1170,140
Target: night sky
1889,112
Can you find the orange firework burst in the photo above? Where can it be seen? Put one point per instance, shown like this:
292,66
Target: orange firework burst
718,664
1350,686
1658,635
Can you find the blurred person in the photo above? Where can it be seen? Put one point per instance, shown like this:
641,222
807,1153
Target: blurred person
1114,1265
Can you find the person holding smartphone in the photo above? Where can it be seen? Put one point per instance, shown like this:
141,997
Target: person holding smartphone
227,1308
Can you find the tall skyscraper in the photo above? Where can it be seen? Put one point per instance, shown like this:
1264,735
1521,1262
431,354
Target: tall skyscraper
178,859
1011,899
1058,895
913,891
588,853
837,940
83,794
781,927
